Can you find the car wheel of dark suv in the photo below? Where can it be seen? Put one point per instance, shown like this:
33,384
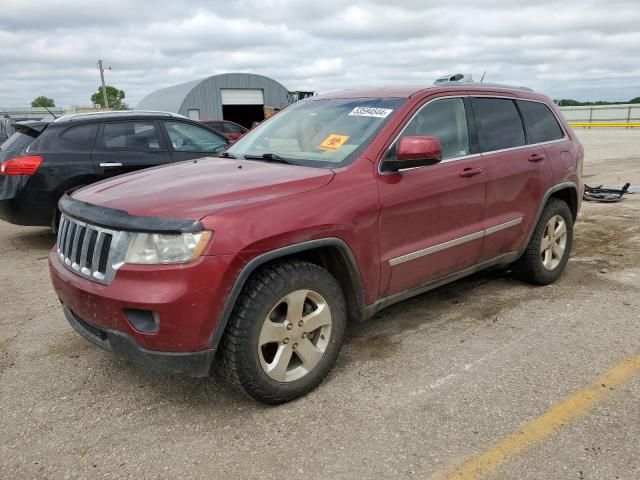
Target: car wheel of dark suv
285,332
550,246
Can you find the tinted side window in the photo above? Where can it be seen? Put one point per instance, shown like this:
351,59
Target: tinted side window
82,134
189,138
499,124
130,136
542,125
446,120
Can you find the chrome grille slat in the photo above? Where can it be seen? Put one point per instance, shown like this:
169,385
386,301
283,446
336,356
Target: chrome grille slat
74,248
90,251
82,264
97,251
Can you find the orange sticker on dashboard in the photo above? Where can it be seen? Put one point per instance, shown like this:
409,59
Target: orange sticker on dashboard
333,142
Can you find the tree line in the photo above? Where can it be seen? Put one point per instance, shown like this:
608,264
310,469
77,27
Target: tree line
115,98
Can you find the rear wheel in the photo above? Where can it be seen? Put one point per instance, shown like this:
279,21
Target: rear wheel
548,251
285,332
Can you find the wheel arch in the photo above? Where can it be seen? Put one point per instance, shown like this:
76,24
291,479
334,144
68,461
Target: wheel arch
332,253
566,191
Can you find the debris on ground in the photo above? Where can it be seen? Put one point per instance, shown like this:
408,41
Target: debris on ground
602,194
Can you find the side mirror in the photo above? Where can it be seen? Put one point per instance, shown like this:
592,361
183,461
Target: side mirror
414,152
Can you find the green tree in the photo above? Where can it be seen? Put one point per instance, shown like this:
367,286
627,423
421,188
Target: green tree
43,101
114,96
635,100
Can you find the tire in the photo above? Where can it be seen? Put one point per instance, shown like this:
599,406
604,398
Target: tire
543,266
265,328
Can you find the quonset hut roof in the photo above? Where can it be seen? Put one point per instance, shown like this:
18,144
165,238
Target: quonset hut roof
204,93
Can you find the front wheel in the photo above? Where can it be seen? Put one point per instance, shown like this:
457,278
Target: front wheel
285,332
550,246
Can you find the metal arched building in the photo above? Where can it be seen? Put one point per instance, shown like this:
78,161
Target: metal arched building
239,97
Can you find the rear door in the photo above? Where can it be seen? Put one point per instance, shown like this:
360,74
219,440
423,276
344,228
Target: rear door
517,175
127,146
431,217
188,141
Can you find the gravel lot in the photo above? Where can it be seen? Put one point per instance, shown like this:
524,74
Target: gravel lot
425,386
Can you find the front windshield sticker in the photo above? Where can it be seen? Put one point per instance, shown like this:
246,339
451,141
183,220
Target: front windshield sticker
371,112
333,142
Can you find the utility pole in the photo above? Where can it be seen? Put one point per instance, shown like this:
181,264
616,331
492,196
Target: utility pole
104,88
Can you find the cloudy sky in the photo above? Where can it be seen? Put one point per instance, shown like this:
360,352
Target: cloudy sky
571,49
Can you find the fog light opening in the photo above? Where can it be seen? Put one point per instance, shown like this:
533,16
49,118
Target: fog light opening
144,321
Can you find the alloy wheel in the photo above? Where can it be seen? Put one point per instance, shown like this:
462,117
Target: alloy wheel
554,242
295,335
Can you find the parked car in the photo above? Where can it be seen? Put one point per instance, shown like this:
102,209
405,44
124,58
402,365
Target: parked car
226,127
44,159
326,213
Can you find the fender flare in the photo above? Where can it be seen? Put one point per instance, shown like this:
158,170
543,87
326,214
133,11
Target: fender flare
258,261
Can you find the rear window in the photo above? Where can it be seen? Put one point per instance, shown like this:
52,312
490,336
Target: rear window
233,128
499,124
542,125
19,141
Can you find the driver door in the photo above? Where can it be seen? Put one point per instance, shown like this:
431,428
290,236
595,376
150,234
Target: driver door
431,217
187,141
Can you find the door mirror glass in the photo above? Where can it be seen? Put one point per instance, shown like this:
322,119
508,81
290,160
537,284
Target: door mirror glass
416,151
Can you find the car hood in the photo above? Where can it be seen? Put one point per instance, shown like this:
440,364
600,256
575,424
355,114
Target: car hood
197,188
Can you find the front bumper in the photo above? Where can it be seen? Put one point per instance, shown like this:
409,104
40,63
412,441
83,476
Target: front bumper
186,299
192,364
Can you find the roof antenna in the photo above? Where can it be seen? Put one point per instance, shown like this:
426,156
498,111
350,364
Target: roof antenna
485,72
52,114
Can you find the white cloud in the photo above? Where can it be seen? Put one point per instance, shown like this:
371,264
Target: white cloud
579,49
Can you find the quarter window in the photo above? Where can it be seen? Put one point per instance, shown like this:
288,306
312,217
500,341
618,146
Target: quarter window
542,125
446,120
130,136
189,138
499,124
82,134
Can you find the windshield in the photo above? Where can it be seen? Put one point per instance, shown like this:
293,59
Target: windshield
324,133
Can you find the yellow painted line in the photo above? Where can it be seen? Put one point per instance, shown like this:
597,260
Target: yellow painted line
603,124
541,428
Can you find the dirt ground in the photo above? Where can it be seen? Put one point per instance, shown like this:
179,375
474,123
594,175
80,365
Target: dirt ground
426,386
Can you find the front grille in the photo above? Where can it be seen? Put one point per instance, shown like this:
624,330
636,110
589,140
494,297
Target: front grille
93,252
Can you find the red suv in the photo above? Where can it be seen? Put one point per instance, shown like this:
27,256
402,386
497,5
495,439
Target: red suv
226,127
326,213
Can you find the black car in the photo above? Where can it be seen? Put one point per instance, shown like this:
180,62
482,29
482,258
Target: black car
44,159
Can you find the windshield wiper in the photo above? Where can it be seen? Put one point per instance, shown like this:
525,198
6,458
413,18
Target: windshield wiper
272,157
226,155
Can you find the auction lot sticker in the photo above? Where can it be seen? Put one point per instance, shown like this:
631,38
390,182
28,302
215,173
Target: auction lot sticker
370,112
333,142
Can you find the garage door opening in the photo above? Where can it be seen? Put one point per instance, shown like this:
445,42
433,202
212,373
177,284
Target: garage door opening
245,115
242,105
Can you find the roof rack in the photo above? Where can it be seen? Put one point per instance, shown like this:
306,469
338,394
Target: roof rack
118,113
466,80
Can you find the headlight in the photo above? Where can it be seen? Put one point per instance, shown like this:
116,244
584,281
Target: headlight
158,248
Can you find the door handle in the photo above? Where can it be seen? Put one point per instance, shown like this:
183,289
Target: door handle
110,164
470,172
536,157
